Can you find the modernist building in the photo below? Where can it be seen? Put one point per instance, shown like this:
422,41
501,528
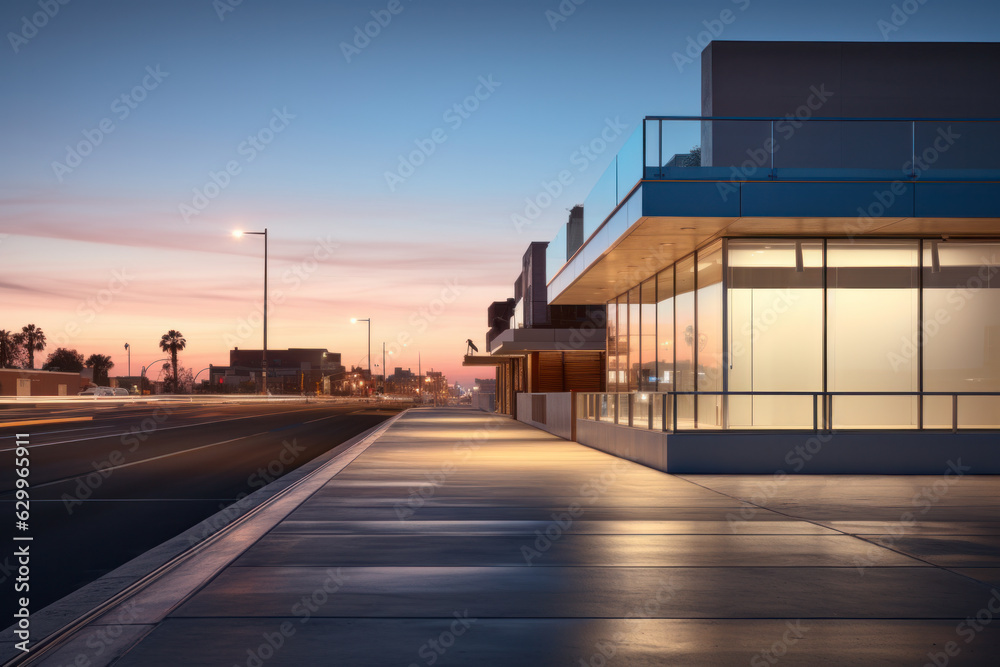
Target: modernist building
538,347
806,277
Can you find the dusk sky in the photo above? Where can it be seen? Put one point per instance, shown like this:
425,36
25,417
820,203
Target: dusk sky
120,119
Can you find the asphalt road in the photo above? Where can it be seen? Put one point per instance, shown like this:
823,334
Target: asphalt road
127,478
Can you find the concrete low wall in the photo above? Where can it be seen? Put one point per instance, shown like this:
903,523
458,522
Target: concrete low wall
646,447
856,453
484,402
557,417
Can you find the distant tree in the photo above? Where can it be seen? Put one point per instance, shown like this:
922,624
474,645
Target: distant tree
695,159
64,360
173,342
184,379
101,363
33,340
11,350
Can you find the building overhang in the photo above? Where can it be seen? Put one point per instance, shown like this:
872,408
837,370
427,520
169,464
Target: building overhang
518,342
679,216
485,360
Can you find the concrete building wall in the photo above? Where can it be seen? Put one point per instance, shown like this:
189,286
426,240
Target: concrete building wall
15,382
848,452
548,412
484,401
852,80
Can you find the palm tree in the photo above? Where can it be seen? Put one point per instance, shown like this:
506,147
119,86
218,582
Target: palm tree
33,339
10,344
173,342
101,363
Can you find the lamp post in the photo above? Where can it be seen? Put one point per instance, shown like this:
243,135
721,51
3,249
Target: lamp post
129,350
263,372
146,368
355,320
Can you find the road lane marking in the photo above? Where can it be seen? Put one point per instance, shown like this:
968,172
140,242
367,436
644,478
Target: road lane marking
39,422
165,428
135,463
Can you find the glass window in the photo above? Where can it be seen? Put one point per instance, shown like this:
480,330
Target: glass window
710,335
775,331
612,346
871,323
633,338
665,330
961,331
647,342
684,348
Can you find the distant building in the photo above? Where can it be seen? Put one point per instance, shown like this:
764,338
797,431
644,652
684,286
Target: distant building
403,381
538,347
18,382
291,371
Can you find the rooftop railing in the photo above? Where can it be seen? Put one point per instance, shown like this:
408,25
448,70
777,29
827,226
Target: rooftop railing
793,147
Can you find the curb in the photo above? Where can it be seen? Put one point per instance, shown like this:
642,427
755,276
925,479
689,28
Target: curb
53,623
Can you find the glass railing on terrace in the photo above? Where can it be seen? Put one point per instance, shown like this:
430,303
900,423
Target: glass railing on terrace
737,149
760,148
805,411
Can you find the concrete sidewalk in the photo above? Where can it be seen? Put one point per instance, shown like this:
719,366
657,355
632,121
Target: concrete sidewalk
460,538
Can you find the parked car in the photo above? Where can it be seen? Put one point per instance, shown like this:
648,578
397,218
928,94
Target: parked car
104,391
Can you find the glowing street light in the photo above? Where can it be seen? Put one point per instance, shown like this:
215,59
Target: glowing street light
239,234
355,320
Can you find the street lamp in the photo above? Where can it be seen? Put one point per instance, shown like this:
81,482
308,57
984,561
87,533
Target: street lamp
355,320
263,374
146,368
